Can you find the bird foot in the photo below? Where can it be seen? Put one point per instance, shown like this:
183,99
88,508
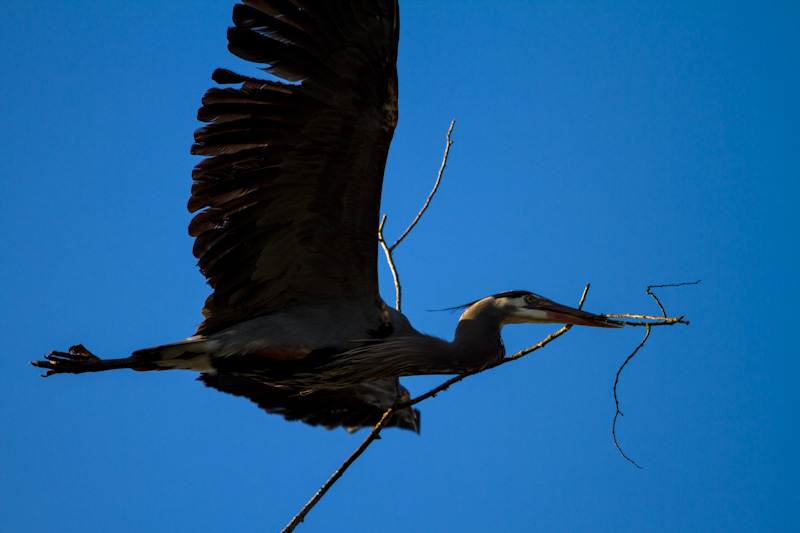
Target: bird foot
75,361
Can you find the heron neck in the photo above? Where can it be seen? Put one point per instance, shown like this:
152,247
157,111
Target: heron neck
472,349
477,343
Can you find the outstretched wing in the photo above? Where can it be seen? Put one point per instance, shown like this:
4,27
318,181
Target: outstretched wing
291,191
351,407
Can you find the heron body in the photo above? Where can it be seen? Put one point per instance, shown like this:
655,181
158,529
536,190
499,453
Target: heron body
287,203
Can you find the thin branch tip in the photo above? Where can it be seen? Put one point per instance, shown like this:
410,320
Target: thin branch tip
432,193
616,398
648,291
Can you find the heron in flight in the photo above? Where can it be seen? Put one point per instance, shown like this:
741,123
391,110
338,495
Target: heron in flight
287,202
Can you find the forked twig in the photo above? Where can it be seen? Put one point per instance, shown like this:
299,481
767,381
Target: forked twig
382,240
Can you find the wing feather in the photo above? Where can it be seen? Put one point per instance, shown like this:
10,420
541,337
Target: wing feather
351,407
290,191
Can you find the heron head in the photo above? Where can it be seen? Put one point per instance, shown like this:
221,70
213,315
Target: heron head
523,307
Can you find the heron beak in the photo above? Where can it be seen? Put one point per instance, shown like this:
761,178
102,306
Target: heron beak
561,314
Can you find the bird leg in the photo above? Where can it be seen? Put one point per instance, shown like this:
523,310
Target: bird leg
77,361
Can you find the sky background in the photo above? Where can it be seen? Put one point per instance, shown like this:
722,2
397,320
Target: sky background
619,143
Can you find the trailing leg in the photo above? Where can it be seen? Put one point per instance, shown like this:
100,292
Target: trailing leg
79,360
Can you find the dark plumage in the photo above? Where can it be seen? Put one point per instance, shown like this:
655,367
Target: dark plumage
350,407
287,206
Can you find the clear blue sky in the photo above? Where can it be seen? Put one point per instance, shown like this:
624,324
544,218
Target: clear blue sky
622,144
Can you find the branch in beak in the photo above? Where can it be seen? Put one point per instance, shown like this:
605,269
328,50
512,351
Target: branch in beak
562,314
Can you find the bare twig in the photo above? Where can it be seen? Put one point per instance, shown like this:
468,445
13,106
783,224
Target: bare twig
430,196
664,319
658,321
382,240
390,259
374,434
664,313
616,400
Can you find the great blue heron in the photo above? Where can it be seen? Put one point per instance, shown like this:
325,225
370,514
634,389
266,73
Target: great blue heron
286,235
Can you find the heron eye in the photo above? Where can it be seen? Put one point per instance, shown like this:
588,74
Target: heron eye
530,299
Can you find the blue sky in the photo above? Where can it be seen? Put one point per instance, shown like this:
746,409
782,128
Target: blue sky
623,144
